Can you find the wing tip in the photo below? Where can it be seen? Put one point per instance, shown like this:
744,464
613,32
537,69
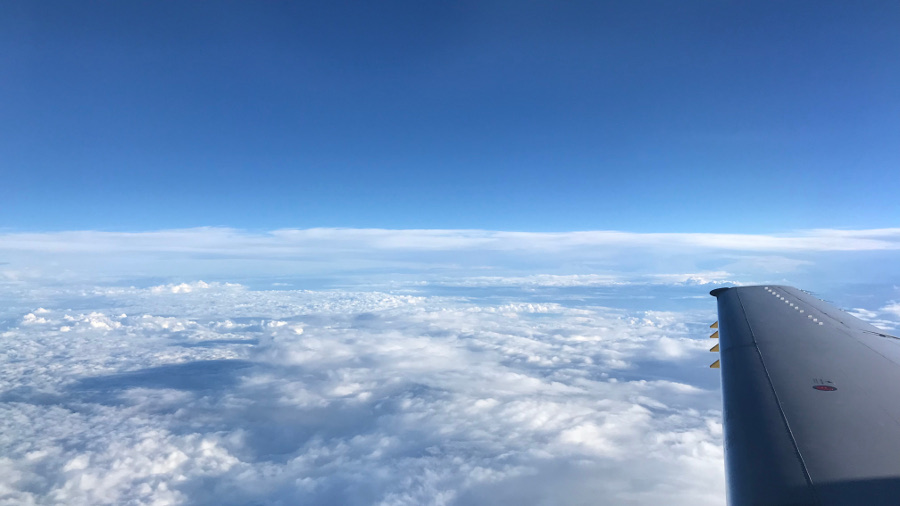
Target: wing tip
718,291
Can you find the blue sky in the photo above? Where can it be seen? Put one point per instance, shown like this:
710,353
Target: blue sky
643,116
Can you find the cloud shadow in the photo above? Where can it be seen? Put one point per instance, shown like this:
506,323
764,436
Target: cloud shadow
198,376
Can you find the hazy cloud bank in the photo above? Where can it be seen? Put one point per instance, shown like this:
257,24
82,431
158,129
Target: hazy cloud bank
290,241
447,257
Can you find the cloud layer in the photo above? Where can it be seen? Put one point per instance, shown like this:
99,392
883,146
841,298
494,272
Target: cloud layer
291,241
206,393
343,366
447,257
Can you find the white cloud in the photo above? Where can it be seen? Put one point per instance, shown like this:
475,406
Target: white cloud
180,288
224,395
32,319
440,367
450,257
590,280
893,308
537,280
291,242
886,317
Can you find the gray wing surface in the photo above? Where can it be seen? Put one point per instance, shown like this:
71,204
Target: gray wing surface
811,401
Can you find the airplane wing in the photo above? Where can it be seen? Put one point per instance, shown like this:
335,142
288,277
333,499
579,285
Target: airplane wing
811,401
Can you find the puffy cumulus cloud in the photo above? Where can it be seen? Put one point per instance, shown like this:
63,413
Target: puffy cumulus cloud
102,457
33,318
180,288
224,395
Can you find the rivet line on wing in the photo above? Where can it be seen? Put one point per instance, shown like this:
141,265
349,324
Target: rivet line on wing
795,306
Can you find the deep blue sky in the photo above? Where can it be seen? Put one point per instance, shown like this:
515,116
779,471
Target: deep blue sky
643,116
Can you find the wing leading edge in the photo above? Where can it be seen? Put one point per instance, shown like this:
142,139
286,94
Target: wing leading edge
811,401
